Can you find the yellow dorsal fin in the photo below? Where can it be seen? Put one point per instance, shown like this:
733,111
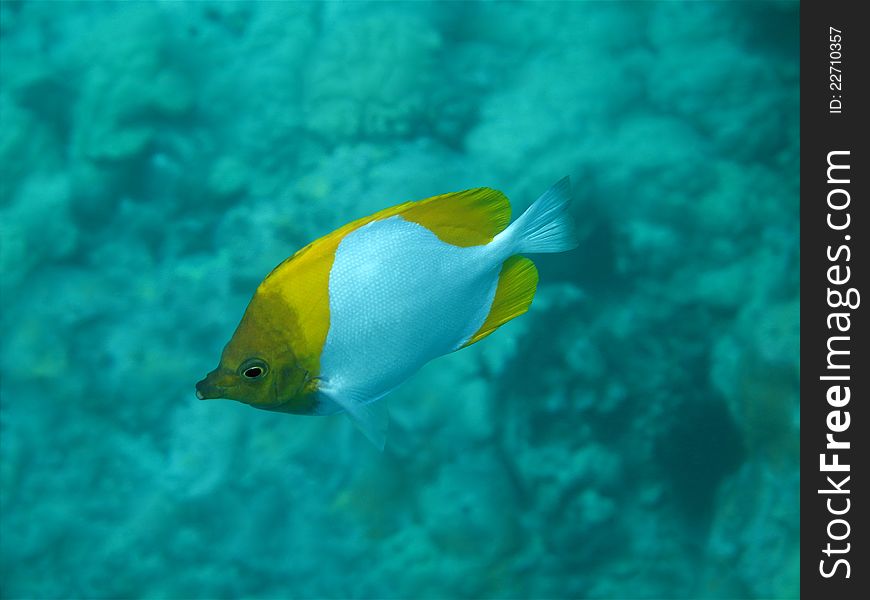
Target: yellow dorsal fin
517,283
469,218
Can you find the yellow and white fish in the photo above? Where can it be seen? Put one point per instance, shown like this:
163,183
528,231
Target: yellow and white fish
349,317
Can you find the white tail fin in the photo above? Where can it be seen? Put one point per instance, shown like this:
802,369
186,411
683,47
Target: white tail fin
546,225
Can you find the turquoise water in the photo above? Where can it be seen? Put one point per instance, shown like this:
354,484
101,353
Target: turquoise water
634,436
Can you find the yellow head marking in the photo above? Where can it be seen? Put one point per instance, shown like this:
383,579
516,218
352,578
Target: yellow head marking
260,365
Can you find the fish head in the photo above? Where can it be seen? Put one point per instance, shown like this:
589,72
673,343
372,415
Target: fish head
259,367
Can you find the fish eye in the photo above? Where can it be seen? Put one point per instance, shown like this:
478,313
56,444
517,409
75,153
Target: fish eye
253,369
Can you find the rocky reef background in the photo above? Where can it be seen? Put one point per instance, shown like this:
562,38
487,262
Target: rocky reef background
634,436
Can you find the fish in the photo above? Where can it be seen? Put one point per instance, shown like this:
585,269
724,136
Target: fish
342,322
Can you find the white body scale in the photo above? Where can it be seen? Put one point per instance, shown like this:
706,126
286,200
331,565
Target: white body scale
399,297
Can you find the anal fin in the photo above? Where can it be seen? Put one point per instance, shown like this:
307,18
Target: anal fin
516,287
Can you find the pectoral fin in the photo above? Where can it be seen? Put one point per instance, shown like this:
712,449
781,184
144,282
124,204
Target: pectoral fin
370,416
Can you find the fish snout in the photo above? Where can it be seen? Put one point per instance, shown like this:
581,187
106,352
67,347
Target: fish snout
213,386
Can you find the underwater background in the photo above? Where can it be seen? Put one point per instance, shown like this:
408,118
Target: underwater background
635,435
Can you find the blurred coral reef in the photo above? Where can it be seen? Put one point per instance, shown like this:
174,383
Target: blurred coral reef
634,436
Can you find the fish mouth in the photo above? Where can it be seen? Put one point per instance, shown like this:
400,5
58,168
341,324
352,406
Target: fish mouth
210,388
206,391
